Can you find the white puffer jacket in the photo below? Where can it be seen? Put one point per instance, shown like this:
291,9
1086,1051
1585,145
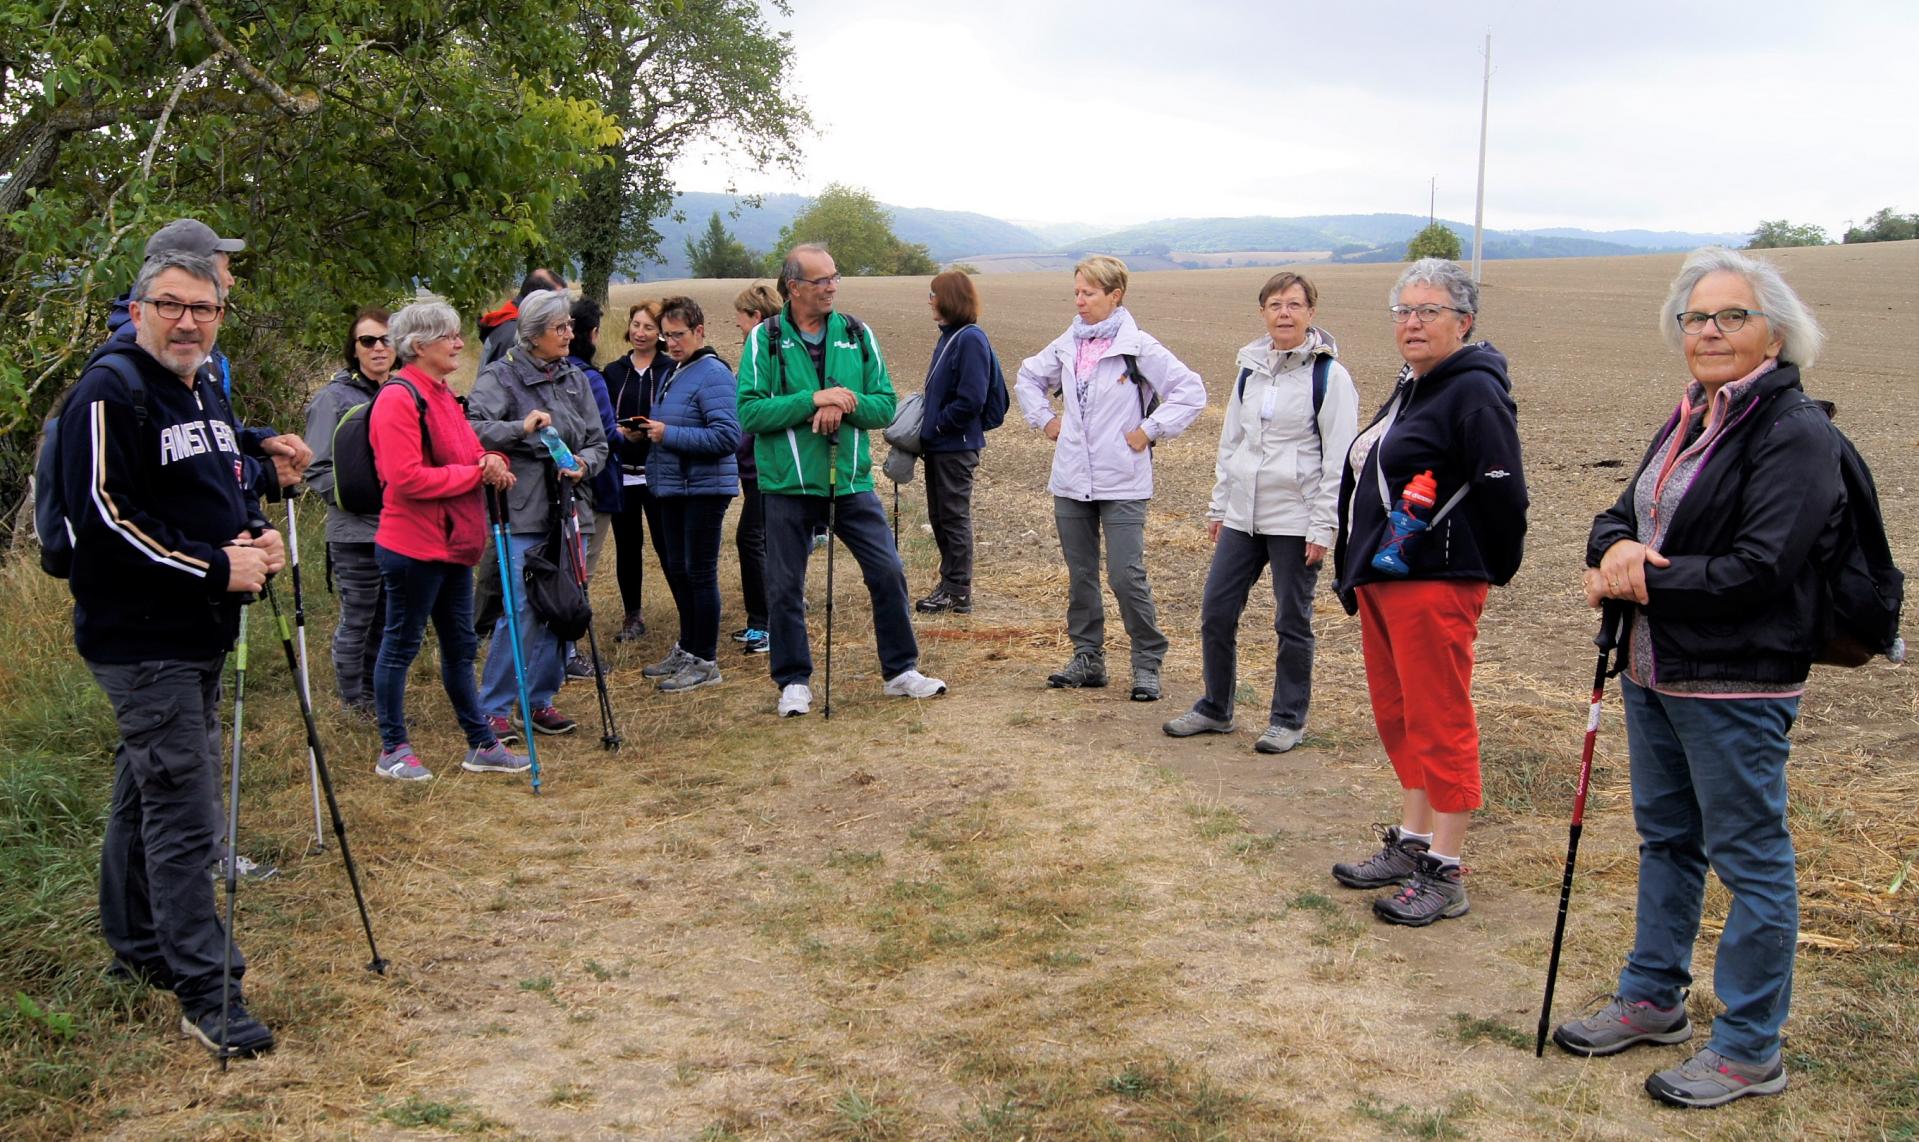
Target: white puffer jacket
1275,475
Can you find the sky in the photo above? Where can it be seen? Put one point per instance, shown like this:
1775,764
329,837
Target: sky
1616,115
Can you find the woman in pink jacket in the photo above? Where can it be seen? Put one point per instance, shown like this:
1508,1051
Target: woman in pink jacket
432,529
1109,375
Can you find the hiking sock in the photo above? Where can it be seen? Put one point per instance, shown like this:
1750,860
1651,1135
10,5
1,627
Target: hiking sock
1443,861
1406,834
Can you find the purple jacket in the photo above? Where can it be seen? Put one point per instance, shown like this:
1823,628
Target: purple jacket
1092,460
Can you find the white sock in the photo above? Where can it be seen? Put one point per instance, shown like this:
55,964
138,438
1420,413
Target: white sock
1444,861
1406,834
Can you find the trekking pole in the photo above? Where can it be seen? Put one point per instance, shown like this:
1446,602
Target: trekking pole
497,511
832,534
300,625
576,551
376,965
233,827
1610,618
896,517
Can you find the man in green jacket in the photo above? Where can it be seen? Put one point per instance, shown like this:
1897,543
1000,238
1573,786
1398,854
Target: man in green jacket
811,384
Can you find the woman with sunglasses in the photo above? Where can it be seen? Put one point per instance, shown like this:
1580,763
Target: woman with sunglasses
1450,422
349,538
1711,549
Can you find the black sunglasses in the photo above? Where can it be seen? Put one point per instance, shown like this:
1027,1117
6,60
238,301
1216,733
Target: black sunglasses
369,340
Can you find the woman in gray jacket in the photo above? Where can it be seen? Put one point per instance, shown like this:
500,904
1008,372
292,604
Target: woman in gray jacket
349,537
1290,416
532,386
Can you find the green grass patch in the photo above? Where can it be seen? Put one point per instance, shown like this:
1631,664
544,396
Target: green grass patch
1403,1119
1474,1029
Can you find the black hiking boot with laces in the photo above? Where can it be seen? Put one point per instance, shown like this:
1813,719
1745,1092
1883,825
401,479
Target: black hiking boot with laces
1084,670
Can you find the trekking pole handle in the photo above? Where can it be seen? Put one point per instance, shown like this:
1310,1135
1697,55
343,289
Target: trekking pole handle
1612,619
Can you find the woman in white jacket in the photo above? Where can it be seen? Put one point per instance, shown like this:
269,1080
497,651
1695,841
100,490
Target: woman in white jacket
1290,418
1107,372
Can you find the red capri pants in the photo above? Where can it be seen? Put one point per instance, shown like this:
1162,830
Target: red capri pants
1418,640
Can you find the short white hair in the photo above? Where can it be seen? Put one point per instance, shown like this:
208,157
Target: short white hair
1799,332
419,325
540,311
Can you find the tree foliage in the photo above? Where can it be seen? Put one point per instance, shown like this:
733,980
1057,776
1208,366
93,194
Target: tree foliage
670,72
859,234
720,255
1885,226
1780,233
1437,240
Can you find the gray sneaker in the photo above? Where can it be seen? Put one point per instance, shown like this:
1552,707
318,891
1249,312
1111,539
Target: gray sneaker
1436,892
1621,1024
400,764
1085,670
692,675
1710,1079
1145,684
494,758
1279,739
1394,863
669,666
1193,722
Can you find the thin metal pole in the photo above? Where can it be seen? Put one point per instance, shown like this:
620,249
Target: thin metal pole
1479,197
306,686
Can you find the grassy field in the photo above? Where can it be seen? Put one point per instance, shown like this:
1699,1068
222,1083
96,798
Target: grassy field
1010,912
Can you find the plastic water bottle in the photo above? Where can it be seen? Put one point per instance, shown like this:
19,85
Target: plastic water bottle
556,448
1407,519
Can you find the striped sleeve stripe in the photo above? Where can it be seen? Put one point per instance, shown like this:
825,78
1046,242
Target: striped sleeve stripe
110,511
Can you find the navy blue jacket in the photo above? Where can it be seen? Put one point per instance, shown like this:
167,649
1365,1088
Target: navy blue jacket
606,481
151,507
699,404
1459,421
955,390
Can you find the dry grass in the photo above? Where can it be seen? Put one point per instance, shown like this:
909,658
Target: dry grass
1012,912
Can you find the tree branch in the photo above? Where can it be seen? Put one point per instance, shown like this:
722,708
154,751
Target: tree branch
295,105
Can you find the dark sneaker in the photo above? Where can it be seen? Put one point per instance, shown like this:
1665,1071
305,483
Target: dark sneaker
756,642
741,635
579,666
1710,1079
1145,684
494,758
944,600
1622,1024
549,720
361,712
633,630
1436,892
247,867
504,731
695,674
1084,670
140,975
1394,863
1193,722
669,666
245,1035
400,764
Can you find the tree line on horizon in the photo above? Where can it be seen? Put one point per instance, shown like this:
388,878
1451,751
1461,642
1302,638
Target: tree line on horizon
849,220
1886,225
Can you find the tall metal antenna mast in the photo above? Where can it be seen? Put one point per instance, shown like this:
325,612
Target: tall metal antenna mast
1479,197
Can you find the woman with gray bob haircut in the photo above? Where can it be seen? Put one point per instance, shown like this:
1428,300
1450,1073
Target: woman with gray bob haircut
1799,334
540,312
1441,274
421,324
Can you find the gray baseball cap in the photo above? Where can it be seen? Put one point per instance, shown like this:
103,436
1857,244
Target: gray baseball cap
191,236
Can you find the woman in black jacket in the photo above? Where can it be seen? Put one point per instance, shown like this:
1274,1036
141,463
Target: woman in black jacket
631,382
1451,419
1713,548
951,436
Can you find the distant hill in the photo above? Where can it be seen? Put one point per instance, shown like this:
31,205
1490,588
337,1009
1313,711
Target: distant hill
1650,239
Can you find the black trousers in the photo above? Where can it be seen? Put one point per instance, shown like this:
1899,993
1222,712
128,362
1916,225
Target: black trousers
949,508
750,539
640,515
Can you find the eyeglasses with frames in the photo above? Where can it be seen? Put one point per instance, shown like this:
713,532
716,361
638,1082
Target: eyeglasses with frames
369,340
1427,314
173,310
1276,306
1693,322
677,334
822,283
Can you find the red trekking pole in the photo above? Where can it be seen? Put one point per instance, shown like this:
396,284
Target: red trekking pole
1610,617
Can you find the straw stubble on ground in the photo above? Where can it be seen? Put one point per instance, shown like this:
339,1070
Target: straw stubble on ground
1015,912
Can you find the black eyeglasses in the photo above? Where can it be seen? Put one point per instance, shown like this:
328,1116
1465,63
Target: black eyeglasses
1427,314
173,310
369,340
1693,322
830,279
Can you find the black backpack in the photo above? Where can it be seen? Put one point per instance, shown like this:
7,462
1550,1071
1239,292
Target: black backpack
1322,369
50,523
854,326
1864,589
357,486
554,588
992,414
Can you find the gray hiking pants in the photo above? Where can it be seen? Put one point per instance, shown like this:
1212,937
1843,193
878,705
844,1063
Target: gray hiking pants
1238,560
156,899
1124,522
356,641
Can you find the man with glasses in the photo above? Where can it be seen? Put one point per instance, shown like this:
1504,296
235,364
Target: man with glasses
168,540
811,384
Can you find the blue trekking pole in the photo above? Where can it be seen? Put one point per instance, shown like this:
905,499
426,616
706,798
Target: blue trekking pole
497,512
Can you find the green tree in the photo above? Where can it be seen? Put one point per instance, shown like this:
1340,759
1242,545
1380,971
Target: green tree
670,72
719,255
1435,241
859,234
1885,226
1780,233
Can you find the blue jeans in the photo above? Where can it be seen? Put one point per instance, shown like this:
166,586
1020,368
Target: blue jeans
860,523
539,647
1709,788
691,525
418,590
1238,559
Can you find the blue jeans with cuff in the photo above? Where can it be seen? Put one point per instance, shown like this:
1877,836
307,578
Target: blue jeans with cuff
418,590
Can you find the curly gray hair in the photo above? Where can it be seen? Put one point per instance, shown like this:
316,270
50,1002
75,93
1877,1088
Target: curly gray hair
1441,274
419,325
1799,333
540,311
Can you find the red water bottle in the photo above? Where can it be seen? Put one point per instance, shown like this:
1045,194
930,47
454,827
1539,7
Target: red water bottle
1407,519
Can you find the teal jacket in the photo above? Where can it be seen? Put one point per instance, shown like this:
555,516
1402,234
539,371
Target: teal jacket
776,406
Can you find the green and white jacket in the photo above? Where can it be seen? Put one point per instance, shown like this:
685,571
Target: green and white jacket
776,406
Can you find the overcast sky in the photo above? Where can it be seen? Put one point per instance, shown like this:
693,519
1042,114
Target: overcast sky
1611,115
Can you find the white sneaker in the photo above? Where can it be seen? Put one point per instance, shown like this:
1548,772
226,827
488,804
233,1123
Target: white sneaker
796,698
913,684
